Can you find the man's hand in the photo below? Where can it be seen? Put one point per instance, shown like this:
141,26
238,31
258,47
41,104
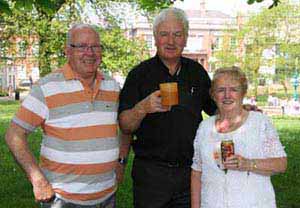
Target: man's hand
152,104
120,170
131,119
42,190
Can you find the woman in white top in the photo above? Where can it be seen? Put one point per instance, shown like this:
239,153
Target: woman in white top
258,151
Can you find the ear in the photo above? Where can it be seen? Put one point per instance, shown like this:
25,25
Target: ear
186,38
155,40
211,93
67,50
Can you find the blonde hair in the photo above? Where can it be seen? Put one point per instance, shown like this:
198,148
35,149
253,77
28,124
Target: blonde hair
235,73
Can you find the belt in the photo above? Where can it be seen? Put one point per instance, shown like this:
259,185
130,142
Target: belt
169,164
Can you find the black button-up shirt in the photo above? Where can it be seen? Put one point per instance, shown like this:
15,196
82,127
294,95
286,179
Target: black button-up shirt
168,136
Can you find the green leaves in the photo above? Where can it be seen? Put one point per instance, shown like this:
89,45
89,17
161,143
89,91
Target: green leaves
4,7
48,7
27,5
250,1
275,2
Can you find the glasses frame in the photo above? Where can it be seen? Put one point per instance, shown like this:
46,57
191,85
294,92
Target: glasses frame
84,48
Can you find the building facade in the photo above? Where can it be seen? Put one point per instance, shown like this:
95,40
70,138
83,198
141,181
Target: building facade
205,33
19,64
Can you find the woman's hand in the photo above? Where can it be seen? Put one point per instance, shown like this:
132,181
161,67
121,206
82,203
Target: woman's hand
237,162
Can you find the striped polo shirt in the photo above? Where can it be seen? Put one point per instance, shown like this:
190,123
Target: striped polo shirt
80,147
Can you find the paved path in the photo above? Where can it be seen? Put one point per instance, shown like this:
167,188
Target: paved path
22,96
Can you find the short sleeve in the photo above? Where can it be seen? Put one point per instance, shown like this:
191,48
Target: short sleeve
33,111
197,161
272,146
129,94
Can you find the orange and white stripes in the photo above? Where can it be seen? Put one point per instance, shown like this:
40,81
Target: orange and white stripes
80,145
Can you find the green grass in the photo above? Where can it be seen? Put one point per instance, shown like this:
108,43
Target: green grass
15,190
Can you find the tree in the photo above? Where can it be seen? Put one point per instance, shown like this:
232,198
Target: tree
119,53
50,6
48,22
274,4
40,22
276,29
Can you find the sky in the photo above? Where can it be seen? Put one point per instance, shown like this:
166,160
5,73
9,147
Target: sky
226,6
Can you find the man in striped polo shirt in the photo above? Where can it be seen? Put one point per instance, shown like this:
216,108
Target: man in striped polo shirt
76,107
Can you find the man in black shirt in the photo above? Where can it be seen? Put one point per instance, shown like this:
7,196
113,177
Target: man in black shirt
164,136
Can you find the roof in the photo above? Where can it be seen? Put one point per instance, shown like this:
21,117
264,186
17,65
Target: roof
207,14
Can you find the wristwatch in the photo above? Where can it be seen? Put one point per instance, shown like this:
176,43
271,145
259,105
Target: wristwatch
254,165
122,160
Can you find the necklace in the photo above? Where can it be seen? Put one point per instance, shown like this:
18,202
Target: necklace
230,124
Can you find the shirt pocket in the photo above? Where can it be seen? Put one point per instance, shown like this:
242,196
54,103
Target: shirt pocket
190,97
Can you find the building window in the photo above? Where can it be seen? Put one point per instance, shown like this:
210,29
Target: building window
218,43
22,47
149,41
194,43
233,43
35,49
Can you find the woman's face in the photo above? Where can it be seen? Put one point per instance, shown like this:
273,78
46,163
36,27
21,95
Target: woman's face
228,93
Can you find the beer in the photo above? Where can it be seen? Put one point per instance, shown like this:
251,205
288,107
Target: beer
227,150
169,93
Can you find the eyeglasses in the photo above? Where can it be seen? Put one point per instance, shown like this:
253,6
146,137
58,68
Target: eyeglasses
83,48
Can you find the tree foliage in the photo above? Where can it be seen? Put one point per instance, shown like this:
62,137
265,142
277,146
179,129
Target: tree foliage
278,30
274,4
48,22
119,53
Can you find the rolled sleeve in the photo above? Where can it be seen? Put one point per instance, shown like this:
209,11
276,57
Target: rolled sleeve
33,111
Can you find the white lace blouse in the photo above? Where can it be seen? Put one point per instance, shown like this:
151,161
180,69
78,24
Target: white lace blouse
256,138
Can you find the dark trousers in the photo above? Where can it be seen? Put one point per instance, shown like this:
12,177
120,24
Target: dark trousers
159,185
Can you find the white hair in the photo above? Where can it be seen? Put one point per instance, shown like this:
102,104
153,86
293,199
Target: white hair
78,26
179,14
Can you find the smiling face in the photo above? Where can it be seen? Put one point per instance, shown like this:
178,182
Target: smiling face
228,93
84,52
170,39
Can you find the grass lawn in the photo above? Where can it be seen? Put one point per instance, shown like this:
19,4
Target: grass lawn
15,190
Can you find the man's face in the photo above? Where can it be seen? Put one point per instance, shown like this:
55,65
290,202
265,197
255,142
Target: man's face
84,52
170,39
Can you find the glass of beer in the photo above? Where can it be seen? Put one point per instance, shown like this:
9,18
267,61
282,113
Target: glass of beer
227,150
169,93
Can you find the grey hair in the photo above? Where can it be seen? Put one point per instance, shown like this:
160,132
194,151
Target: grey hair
78,26
235,73
179,14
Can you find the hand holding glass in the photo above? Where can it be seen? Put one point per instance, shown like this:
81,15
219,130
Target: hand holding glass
169,93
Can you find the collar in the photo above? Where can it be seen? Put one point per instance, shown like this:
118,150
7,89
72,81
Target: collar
165,68
69,73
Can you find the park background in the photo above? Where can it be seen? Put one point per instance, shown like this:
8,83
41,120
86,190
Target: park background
264,42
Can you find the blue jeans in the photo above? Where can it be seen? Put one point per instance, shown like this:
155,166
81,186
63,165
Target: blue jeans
60,203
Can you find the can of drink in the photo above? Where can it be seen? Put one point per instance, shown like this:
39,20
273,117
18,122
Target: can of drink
227,150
